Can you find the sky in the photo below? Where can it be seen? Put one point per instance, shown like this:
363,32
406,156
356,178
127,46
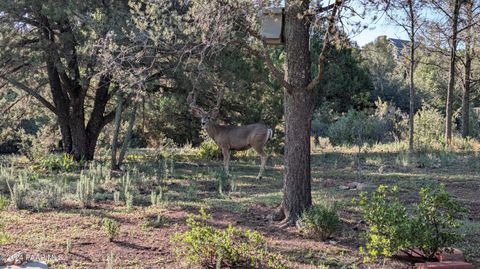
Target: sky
380,27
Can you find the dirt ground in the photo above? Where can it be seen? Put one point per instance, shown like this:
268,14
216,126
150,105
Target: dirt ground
45,234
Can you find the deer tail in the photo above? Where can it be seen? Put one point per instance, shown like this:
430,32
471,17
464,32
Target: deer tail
269,134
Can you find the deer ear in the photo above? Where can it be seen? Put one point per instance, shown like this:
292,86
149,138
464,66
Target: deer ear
214,113
196,112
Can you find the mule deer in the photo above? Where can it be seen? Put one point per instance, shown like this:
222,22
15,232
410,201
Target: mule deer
230,137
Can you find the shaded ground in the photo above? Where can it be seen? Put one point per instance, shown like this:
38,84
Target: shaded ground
46,233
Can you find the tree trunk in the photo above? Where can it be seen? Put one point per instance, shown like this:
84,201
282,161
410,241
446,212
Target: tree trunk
412,70
116,131
298,113
66,136
451,73
469,43
128,136
77,127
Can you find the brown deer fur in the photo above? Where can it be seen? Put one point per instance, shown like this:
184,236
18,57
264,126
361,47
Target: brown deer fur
229,137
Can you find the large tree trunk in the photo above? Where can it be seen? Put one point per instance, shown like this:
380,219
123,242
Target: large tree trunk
298,113
451,73
297,187
469,44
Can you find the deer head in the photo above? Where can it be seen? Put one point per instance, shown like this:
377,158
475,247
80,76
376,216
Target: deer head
206,117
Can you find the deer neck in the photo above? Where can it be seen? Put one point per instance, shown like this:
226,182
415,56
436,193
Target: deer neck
212,129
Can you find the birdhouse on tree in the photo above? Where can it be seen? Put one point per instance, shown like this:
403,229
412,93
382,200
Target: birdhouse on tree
272,21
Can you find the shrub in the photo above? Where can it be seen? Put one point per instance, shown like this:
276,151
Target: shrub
429,126
387,220
45,195
358,128
319,221
221,177
208,150
431,227
111,228
207,246
18,192
3,202
4,236
158,222
436,221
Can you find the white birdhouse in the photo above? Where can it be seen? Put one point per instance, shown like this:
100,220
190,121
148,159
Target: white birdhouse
272,25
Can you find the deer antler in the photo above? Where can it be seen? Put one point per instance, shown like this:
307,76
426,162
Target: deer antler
192,99
216,109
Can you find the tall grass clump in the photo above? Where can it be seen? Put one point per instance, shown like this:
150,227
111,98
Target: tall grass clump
85,190
320,221
18,192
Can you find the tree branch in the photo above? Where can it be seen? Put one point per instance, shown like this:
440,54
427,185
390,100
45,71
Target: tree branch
32,92
322,57
274,71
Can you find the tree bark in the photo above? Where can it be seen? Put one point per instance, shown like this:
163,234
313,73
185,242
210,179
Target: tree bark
128,136
298,113
451,73
469,44
116,131
412,70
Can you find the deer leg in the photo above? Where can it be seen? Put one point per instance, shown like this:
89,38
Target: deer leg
263,161
226,159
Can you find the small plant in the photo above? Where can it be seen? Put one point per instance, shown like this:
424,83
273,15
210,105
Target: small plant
18,192
319,221
111,228
4,201
432,226
116,197
156,199
85,190
111,259
222,180
192,190
129,201
159,222
206,246
65,163
208,150
68,246
4,236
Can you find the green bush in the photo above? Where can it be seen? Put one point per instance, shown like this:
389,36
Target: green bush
222,179
111,228
64,163
474,124
431,227
158,222
208,150
436,221
4,236
358,128
4,202
319,221
209,247
429,127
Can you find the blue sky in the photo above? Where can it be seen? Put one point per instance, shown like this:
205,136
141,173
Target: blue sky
381,27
